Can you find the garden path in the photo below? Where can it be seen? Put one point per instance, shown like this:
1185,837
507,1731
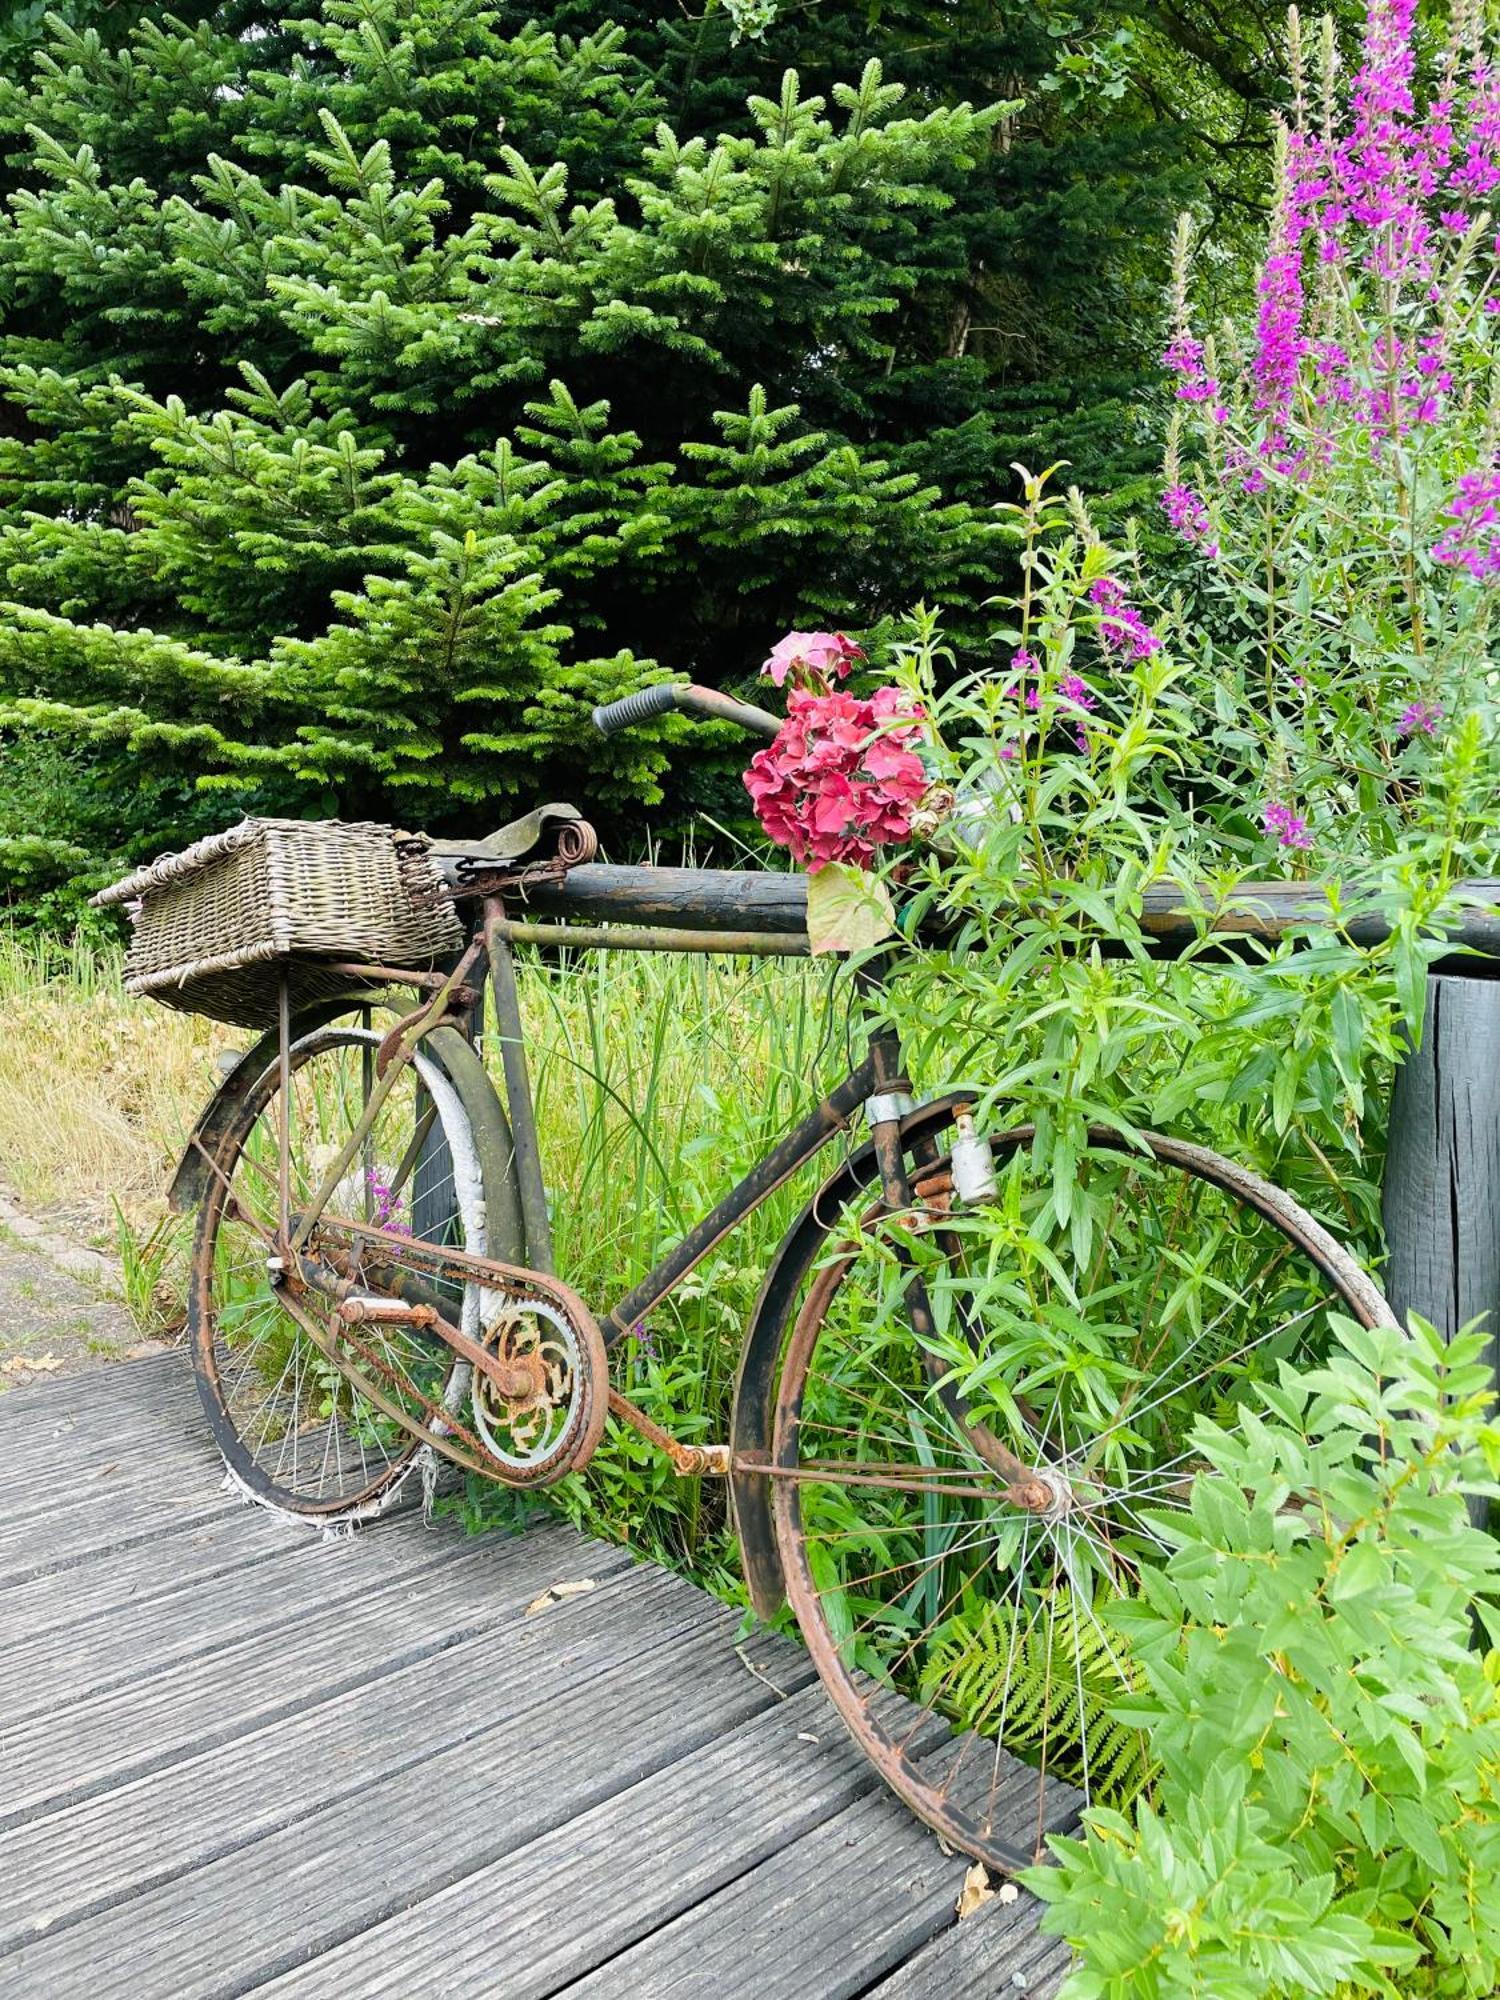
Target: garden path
56,1319
241,1758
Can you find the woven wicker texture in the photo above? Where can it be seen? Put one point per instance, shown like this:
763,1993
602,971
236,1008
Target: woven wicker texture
218,925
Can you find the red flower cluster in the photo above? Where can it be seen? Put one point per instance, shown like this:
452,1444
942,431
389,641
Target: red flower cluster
841,778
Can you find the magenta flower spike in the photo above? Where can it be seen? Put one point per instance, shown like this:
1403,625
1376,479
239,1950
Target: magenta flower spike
1121,627
1289,827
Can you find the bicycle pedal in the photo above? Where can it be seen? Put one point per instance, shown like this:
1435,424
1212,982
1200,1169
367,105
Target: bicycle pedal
387,1312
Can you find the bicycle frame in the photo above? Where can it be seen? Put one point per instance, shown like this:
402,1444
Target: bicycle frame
878,1083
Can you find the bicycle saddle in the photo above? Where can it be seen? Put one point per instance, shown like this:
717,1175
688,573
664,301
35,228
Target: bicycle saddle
538,834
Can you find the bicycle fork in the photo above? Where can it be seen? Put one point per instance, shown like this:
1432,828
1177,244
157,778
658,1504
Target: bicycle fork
1034,1489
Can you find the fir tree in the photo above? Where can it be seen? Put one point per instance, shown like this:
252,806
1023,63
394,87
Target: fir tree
387,385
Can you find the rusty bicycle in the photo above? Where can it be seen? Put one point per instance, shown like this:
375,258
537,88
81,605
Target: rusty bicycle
960,1429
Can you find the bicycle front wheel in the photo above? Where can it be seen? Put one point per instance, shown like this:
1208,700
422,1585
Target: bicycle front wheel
983,1421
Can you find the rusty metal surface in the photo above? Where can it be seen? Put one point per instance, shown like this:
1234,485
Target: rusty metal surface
332,1281
625,937
755,1383
688,1461
714,706
325,1292
518,1102
394,1053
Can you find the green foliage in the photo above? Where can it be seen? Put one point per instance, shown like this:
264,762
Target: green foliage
1327,1819
389,383
1066,812
641,1134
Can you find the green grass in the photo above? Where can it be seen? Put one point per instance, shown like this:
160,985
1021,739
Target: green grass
660,1080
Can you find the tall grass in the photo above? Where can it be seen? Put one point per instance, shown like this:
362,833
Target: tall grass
659,1080
97,1089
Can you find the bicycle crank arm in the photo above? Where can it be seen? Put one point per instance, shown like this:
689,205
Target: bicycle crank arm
355,1308
510,1281
450,1441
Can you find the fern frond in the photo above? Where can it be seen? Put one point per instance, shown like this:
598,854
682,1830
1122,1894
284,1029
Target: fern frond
1045,1680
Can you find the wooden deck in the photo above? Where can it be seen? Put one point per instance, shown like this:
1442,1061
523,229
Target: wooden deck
240,1758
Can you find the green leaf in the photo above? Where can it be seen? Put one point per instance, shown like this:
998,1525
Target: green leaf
848,909
1364,1568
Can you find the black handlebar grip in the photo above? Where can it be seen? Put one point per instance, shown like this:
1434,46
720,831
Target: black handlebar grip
633,708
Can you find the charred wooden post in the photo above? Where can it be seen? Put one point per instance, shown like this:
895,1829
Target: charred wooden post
1174,918
690,899
1441,1196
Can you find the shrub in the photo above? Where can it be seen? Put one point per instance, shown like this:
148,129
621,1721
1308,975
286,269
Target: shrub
388,383
1331,467
1328,1816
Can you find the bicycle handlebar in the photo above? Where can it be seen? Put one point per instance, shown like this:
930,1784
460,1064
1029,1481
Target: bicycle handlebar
688,699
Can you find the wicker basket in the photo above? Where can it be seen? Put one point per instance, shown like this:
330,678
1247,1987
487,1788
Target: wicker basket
216,927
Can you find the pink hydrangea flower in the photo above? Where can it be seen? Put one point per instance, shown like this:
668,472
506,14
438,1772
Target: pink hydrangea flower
829,655
841,778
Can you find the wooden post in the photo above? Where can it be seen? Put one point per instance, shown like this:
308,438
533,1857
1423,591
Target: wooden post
1441,1195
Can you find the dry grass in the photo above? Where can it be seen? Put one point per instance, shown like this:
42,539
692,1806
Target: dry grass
658,1079
97,1090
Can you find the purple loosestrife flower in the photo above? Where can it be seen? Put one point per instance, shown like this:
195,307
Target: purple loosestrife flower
1076,692
1024,689
1420,718
387,1203
1289,827
1121,627
1279,338
1189,518
1381,169
644,1339
1479,172
1472,542
1185,358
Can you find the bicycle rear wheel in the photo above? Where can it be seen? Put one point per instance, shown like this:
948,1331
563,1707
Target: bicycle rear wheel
295,1433
968,1476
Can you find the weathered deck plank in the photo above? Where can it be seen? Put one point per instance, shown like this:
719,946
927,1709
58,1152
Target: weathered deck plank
831,1911
238,1759
764,1784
